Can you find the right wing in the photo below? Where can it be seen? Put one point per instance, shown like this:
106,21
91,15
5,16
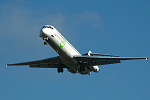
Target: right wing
54,62
103,60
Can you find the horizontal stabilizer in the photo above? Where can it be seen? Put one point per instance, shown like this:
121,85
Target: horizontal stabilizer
96,54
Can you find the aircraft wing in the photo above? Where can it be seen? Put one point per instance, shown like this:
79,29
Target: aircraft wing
103,60
54,62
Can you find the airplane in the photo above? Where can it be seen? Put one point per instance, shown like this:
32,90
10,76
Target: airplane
69,57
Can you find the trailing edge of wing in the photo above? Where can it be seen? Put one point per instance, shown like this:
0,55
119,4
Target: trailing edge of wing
49,65
106,58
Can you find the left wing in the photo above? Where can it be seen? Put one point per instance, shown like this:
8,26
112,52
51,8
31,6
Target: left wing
54,62
103,60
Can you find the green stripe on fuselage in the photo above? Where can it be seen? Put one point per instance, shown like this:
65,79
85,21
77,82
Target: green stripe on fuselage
63,42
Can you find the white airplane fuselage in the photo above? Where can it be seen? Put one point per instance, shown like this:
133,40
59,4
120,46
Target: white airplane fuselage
65,50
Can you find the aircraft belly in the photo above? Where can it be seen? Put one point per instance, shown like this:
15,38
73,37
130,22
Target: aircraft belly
70,62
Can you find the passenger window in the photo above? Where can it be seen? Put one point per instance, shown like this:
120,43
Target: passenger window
50,27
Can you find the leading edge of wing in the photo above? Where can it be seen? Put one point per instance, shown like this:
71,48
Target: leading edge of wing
53,60
106,58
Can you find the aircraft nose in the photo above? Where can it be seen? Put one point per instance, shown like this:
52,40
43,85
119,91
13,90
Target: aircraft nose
43,32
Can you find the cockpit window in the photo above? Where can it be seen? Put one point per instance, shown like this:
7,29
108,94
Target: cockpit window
47,27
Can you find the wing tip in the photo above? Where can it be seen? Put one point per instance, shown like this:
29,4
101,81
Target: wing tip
8,65
146,58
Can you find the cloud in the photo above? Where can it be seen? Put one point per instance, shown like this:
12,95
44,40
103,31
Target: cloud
20,25
91,18
16,18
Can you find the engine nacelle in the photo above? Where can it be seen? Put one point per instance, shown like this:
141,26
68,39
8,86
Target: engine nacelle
84,71
94,68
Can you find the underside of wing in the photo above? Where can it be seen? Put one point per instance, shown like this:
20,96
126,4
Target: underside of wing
103,60
54,62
